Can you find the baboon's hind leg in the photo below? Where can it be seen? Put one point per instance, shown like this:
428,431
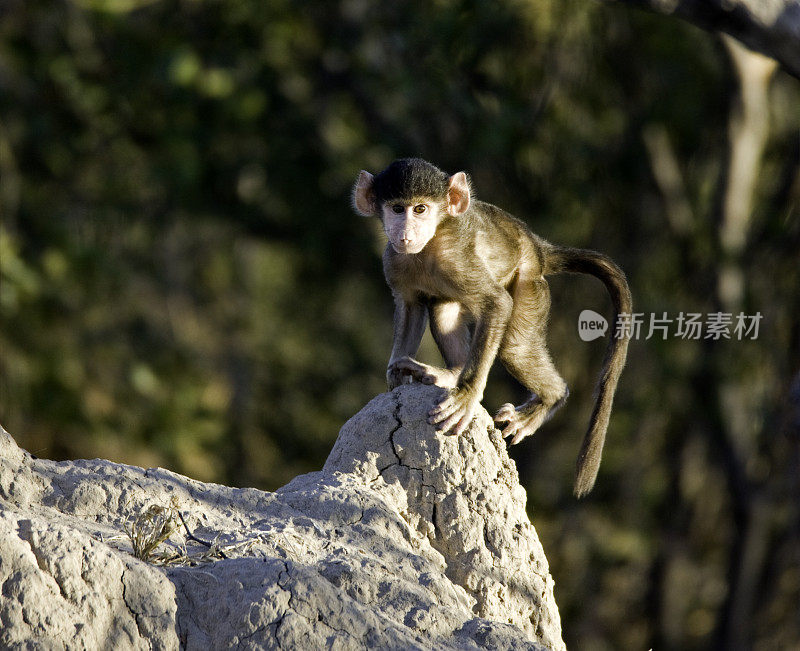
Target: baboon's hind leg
524,353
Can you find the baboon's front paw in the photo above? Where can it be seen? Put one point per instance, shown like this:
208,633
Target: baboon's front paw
393,380
395,376
455,411
411,368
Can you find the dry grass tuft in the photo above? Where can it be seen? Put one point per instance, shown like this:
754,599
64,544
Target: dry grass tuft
150,533
148,529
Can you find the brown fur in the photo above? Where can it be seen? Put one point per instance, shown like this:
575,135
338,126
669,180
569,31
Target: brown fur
479,274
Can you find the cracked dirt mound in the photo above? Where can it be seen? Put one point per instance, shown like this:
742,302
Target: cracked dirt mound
407,539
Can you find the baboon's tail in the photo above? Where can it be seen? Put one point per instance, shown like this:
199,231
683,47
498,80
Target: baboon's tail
565,259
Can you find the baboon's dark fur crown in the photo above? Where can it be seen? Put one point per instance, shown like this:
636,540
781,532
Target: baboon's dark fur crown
409,178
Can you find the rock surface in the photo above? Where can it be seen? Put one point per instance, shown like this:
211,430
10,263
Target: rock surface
407,539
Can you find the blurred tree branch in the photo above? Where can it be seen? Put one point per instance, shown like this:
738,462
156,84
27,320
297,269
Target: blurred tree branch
772,28
748,132
668,176
735,417
755,503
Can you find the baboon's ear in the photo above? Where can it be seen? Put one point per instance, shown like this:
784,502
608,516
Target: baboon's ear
363,196
458,194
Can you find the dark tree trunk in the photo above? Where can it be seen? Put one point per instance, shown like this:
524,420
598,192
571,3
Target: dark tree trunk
772,28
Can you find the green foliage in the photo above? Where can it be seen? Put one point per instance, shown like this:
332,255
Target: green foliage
183,282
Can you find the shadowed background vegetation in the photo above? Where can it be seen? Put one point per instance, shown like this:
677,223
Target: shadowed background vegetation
183,282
